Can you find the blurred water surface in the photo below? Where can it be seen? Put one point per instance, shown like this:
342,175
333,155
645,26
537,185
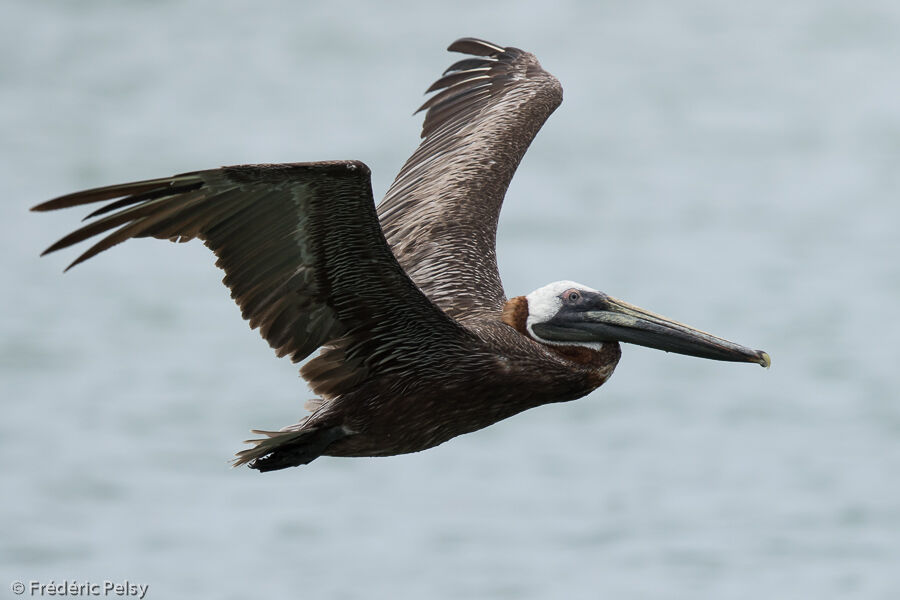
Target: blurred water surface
732,166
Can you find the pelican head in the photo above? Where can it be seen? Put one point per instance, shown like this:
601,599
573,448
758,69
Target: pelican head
566,313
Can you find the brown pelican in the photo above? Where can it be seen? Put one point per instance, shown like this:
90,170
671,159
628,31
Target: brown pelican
418,343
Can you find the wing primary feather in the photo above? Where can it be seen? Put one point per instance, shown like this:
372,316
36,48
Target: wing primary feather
456,77
469,63
152,194
469,85
105,224
111,191
475,46
107,242
129,230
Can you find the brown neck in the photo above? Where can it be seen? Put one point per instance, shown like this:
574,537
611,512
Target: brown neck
515,314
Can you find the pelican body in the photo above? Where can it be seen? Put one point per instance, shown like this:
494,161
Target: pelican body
417,341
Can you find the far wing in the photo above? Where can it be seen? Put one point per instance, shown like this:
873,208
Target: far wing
303,255
440,215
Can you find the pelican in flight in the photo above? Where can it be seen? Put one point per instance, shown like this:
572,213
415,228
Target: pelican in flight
417,341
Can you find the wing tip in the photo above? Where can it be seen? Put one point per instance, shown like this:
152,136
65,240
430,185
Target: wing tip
53,204
475,46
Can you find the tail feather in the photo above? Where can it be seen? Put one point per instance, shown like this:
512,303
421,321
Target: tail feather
287,448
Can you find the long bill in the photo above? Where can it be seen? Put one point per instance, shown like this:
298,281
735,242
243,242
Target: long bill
604,319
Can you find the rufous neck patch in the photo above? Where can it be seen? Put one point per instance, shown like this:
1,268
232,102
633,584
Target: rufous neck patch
515,314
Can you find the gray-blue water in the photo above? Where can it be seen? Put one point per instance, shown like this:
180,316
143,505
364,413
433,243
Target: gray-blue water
732,165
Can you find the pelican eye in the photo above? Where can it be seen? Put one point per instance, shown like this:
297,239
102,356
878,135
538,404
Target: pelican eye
573,295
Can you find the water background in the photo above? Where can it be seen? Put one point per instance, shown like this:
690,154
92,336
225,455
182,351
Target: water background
734,166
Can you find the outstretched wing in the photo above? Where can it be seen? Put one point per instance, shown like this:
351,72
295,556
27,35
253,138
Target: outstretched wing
440,215
303,255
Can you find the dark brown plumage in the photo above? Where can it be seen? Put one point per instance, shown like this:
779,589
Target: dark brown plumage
440,215
418,343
